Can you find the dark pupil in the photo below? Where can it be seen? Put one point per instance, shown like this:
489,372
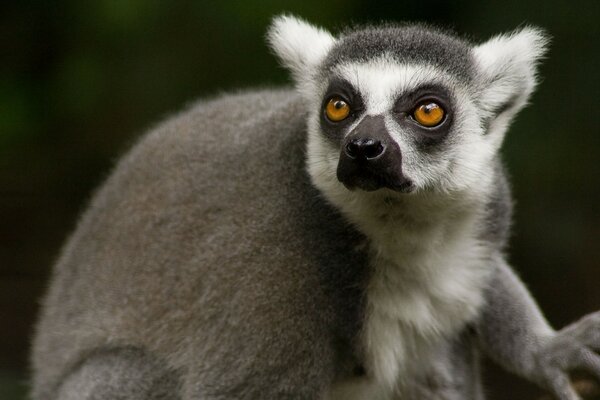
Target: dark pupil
339,104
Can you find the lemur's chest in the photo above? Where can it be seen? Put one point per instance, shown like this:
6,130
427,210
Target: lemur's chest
423,291
427,284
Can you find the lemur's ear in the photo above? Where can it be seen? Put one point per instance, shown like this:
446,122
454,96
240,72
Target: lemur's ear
299,45
507,66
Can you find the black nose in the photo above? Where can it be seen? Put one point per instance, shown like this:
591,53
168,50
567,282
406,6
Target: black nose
370,158
364,148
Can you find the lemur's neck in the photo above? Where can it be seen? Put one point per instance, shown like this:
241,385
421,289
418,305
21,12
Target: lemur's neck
398,223
429,272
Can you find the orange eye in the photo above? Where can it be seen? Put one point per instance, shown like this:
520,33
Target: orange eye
429,114
337,109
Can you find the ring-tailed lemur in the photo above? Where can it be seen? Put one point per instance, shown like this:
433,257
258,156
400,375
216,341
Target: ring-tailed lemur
339,241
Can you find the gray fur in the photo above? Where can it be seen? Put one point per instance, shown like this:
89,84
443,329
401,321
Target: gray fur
191,251
407,43
120,373
211,265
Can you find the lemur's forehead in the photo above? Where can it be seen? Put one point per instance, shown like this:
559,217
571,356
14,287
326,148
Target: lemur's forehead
407,45
381,81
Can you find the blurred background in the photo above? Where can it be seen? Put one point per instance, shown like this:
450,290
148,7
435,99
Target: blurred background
79,81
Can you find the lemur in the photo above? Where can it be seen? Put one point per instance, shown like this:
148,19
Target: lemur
342,239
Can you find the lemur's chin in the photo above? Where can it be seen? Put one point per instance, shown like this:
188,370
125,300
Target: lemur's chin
406,186
369,182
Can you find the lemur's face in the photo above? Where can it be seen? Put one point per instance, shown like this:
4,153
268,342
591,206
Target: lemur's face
385,123
406,109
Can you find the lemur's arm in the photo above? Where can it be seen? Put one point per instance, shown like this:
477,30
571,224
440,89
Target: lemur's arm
513,332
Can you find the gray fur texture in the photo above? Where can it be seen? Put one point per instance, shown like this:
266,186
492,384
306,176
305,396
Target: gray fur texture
209,249
407,43
222,259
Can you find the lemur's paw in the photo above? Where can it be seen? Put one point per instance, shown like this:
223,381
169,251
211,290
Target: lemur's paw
574,348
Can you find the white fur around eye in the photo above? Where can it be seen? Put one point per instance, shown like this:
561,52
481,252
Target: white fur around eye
382,80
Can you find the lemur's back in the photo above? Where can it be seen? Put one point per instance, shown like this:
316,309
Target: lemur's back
207,244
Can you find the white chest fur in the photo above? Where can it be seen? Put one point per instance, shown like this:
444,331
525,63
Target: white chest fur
425,288
428,280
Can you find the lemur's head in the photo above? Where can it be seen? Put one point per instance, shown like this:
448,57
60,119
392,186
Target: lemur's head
405,108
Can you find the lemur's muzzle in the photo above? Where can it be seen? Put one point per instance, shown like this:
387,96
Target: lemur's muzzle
370,159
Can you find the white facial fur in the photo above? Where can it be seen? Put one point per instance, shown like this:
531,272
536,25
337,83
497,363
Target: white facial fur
466,156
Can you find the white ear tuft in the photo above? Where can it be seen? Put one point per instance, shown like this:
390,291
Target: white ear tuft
507,66
299,45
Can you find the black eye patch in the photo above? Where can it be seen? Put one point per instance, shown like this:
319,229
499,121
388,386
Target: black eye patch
342,89
406,105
